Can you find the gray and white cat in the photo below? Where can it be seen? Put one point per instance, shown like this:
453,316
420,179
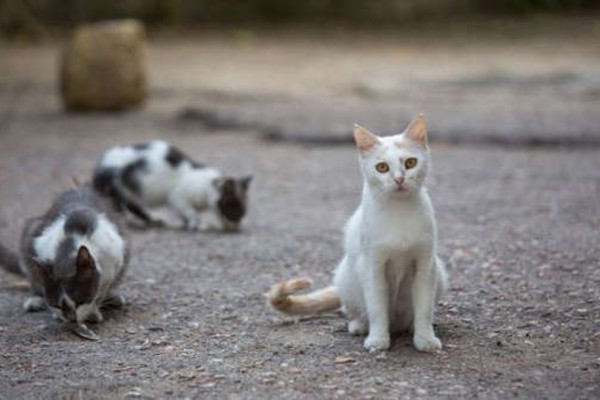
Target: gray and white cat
390,276
74,256
156,173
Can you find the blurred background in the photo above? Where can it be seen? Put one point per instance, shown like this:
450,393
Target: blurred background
509,71
29,15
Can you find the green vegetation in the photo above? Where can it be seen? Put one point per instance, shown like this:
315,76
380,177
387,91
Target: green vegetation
27,16
545,5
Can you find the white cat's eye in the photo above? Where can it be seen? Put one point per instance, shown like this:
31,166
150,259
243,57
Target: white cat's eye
382,167
410,162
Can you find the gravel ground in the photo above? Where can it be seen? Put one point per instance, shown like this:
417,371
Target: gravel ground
519,229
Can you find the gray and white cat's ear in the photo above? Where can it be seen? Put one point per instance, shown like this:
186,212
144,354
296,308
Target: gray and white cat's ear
365,140
84,261
416,131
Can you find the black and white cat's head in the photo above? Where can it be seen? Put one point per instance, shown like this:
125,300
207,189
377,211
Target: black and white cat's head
232,200
71,283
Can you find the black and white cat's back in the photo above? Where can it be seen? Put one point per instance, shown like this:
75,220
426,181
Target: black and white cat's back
140,176
147,170
74,256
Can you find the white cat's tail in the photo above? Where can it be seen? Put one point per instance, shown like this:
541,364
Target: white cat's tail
281,298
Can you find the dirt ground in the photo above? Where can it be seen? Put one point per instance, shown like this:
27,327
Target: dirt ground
519,224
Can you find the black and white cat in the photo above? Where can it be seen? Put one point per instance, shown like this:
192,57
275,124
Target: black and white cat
74,256
156,173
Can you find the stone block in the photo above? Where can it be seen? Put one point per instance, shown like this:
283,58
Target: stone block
104,67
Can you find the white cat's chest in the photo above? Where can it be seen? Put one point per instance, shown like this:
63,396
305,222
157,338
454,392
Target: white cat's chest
400,230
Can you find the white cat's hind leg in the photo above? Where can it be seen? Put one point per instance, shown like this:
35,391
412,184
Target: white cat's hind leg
442,277
358,327
351,296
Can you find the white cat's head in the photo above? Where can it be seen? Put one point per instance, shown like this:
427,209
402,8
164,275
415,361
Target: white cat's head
395,164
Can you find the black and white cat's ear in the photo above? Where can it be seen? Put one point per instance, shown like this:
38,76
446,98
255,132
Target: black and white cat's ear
416,131
244,182
84,261
365,140
218,183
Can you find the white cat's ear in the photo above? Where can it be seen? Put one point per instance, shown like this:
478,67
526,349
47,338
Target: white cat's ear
365,140
416,131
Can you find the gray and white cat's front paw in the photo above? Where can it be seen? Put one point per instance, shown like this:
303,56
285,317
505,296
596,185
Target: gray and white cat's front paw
95,317
375,343
114,301
427,343
89,312
34,303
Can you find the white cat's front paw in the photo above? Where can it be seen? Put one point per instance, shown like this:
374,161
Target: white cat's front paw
357,327
427,343
377,343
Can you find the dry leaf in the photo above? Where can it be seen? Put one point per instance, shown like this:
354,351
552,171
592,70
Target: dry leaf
344,360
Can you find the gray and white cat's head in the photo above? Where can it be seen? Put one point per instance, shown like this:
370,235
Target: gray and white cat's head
396,165
71,284
70,276
232,202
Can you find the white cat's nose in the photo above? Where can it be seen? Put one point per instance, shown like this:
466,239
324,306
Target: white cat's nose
399,181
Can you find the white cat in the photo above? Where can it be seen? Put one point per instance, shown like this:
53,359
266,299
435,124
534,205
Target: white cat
390,276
